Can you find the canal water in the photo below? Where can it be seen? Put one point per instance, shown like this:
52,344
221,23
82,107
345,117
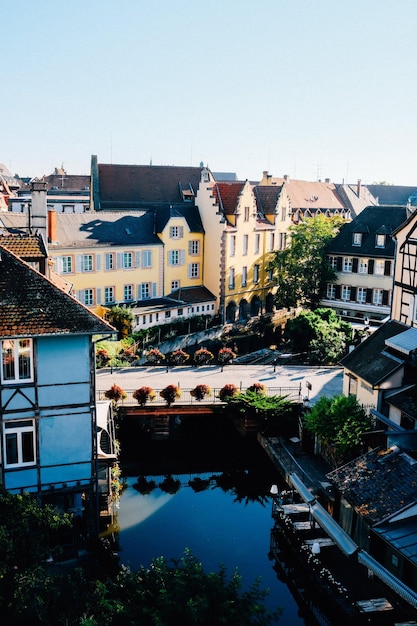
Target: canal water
209,495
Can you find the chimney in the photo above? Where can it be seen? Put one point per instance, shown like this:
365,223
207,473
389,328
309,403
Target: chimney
37,209
286,177
327,180
52,227
358,188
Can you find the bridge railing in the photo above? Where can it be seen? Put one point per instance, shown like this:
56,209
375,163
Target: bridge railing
291,393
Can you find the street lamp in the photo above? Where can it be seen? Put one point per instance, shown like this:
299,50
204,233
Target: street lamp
274,491
315,548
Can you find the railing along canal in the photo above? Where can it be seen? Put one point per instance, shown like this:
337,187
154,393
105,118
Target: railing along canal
291,393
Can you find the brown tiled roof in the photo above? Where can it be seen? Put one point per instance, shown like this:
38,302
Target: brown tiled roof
378,484
304,194
144,186
267,198
67,183
190,295
25,246
31,305
227,195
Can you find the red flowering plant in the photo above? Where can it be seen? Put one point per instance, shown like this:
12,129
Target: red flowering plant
203,356
228,391
170,394
179,357
258,388
144,394
200,392
225,355
155,356
102,357
115,393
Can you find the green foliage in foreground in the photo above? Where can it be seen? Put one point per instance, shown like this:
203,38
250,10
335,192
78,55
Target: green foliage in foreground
102,593
275,414
339,423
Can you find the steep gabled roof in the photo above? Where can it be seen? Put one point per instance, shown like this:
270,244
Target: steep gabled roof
378,484
267,198
106,229
145,186
371,361
311,195
67,183
227,195
190,213
28,247
371,221
31,305
394,194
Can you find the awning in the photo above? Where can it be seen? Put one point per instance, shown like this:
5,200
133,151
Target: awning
102,410
305,493
389,579
332,528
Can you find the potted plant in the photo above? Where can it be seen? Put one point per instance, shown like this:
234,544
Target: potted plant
102,357
170,394
258,388
144,394
228,391
203,356
225,356
178,357
155,356
115,393
200,392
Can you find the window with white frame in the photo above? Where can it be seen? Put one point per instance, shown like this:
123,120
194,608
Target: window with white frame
345,292
232,278
282,244
108,295
19,443
176,257
67,264
257,243
247,213
333,262
109,263
377,295
232,245
146,258
167,314
145,291
347,263
363,266
176,232
245,244
194,270
87,297
17,361
128,293
244,276
194,247
127,260
175,284
86,262
361,295
256,273
331,291
379,267
380,241
357,239
271,242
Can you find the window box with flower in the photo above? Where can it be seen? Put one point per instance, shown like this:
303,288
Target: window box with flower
155,356
115,393
144,395
203,356
200,392
228,391
170,394
179,357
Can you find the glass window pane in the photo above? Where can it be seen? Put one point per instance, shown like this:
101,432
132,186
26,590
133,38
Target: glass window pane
28,454
11,448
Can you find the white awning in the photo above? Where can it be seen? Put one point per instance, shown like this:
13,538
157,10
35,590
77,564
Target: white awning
102,411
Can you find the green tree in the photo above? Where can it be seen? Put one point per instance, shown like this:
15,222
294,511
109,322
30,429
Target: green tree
274,414
320,333
121,317
339,423
303,270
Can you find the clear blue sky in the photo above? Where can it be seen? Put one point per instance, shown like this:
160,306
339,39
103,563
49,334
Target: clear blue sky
310,88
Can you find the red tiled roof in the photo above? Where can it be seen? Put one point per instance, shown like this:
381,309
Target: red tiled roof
25,246
31,305
227,195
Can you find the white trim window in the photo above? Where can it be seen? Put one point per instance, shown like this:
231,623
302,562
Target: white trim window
127,261
17,361
256,271
347,264
331,292
19,443
361,295
363,266
128,293
145,291
232,245
357,239
345,292
108,295
176,232
244,276
176,257
245,244
257,243
88,297
67,265
333,262
232,278
379,267
109,263
87,263
193,270
380,241
194,247
175,284
146,259
377,296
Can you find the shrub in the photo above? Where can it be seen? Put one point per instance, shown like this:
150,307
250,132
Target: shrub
225,355
155,356
144,394
115,393
203,356
228,391
179,356
200,391
170,394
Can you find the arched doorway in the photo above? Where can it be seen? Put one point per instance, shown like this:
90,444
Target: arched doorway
231,312
255,306
269,303
244,312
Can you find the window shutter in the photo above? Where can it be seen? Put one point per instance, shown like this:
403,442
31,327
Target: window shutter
369,295
385,297
139,292
170,258
78,263
182,257
387,268
59,265
98,295
137,259
190,247
371,266
98,262
339,264
119,260
355,265
153,290
181,231
353,293
337,292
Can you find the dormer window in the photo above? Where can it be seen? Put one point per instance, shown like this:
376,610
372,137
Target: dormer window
380,241
357,239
